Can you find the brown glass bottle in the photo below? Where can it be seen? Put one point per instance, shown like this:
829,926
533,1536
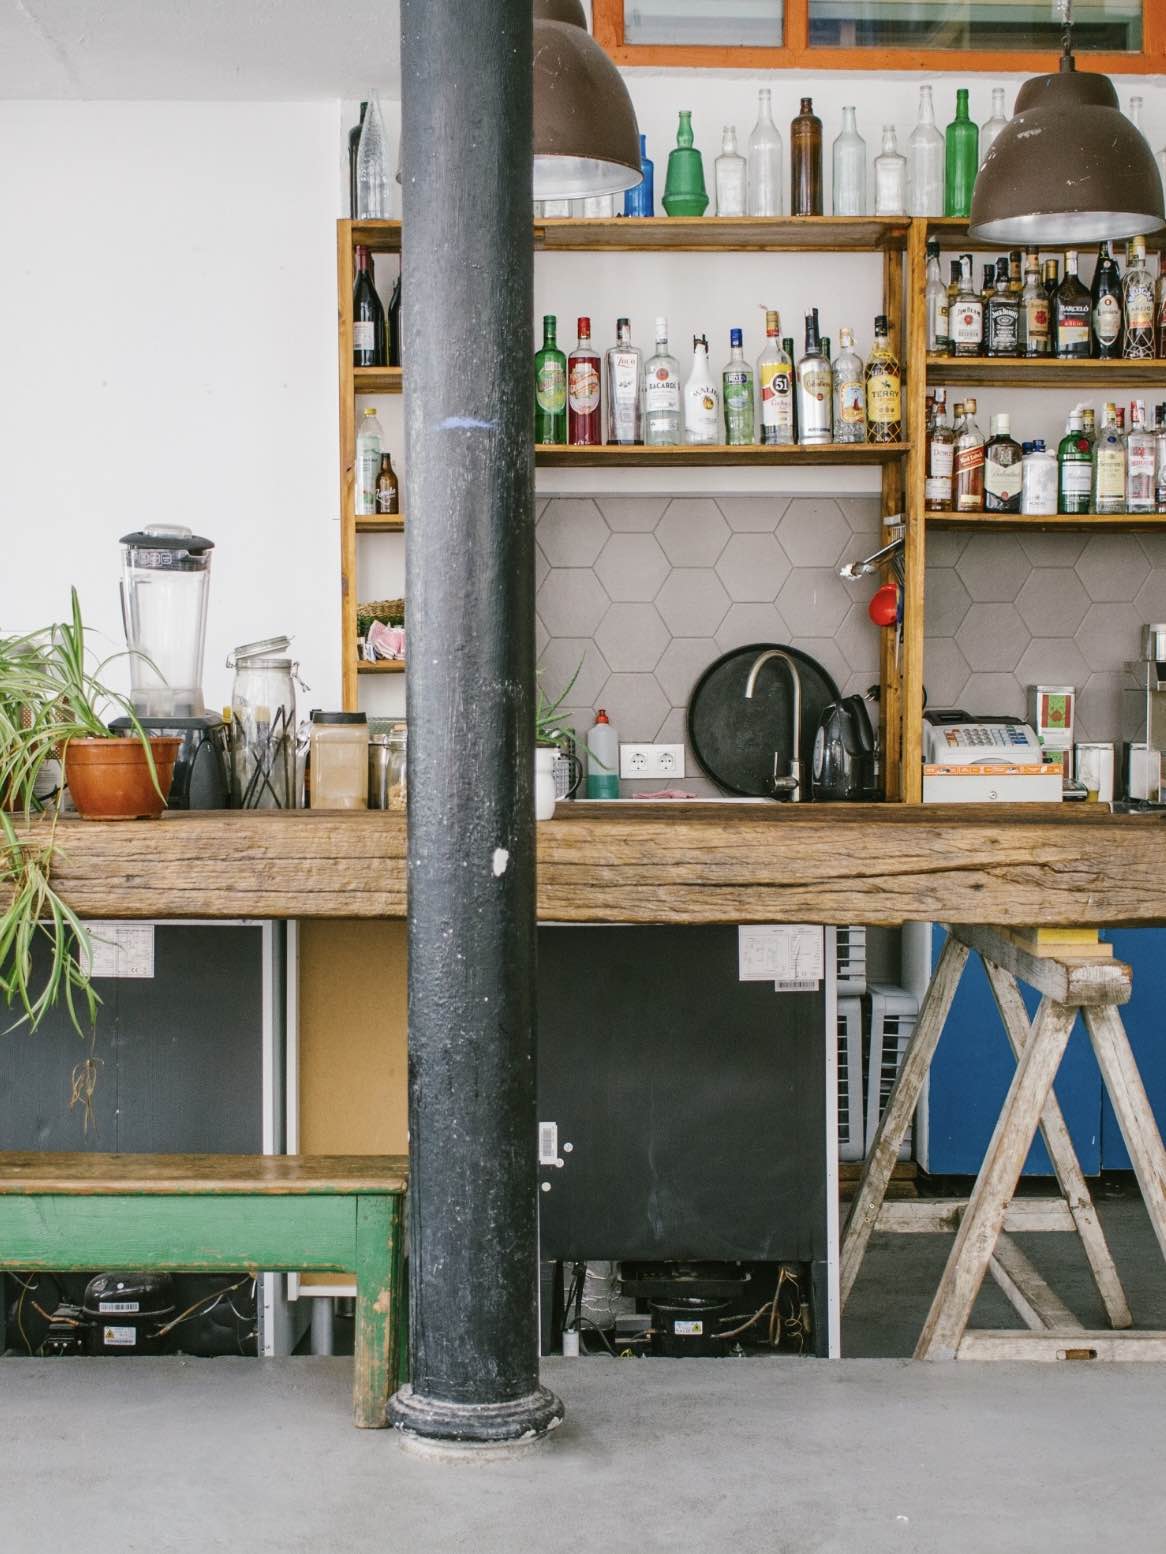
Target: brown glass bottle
388,491
805,156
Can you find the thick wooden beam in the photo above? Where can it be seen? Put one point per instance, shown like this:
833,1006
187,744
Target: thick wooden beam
1082,983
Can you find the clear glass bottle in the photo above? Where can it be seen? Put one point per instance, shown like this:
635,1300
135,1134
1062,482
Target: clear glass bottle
849,391
940,457
1074,468
1073,313
815,388
1002,321
849,169
1002,468
1160,459
775,386
702,400
890,173
1135,114
730,176
765,160
805,162
967,316
737,395
1138,303
938,337
1106,297
1034,313
962,160
884,388
372,166
662,393
926,157
1109,466
992,127
1140,462
969,462
370,438
623,380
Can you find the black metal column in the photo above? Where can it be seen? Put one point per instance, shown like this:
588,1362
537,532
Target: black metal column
468,301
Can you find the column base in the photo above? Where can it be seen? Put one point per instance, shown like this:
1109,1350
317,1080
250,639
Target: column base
437,1427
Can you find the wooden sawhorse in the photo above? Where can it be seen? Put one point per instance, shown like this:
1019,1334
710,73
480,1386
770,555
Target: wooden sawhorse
982,1224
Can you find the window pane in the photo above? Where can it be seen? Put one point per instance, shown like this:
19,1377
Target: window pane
736,23
973,24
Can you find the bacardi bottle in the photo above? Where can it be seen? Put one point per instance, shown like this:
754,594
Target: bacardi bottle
1138,296
884,388
969,462
1140,462
584,421
702,400
737,395
815,388
849,391
775,384
662,393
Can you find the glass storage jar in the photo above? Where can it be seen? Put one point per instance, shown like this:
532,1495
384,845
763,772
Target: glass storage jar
263,726
339,760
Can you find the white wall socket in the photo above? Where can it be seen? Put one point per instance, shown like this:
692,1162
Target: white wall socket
665,761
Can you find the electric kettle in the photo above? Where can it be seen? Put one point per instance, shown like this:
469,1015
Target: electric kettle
843,765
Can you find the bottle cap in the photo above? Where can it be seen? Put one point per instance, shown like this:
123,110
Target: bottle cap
1001,425
845,337
772,322
585,328
970,406
601,716
370,411
1027,447
550,320
881,325
1038,445
622,323
734,337
661,329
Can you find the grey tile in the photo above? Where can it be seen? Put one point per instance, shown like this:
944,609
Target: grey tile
1150,605
693,602
1113,567
540,506
1052,550
674,729
857,684
814,602
753,514
988,695
945,672
542,637
1052,661
567,657
685,660
748,623
692,532
753,567
1109,635
632,637
827,653
1099,708
634,704
860,639
992,637
946,601
541,566
571,532
993,567
864,514
632,514
1052,602
571,601
945,547
814,532
1154,546
631,566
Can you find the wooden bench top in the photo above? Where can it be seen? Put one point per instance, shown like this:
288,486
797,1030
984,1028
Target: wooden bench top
95,1174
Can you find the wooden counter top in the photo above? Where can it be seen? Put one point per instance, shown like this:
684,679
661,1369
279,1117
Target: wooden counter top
652,863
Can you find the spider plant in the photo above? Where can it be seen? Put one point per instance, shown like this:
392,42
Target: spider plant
549,727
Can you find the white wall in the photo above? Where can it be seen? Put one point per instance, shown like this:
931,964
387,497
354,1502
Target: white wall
168,354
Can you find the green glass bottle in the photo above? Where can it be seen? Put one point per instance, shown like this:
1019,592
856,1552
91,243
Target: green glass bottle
963,159
684,191
550,387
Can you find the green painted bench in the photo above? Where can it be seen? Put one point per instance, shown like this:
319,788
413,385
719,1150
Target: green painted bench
214,1213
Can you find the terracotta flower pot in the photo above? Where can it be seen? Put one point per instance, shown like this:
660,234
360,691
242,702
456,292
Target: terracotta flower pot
110,778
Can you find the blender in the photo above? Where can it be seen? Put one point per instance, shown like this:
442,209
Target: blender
165,582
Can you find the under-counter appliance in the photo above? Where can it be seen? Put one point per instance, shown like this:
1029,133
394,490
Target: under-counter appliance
980,759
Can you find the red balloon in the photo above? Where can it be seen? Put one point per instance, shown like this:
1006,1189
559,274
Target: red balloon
883,608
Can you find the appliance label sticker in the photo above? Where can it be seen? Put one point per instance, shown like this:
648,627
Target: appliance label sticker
687,1328
782,953
548,1143
123,1337
124,1306
121,949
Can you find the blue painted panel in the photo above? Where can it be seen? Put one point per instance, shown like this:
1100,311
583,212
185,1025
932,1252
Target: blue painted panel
1145,1023
971,1072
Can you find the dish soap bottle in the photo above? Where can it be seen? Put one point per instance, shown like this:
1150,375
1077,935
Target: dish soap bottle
602,759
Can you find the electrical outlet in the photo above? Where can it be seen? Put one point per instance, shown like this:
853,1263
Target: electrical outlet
653,761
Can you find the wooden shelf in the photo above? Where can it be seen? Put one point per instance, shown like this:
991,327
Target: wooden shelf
377,380
1048,521
952,232
382,237
1043,372
556,456
384,525
699,234
381,666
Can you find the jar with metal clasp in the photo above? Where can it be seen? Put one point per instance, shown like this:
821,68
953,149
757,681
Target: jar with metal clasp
263,715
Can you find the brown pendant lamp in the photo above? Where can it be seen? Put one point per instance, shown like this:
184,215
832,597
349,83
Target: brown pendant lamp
586,139
1068,167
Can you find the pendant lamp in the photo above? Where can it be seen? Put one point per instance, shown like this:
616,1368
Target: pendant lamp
1068,167
586,140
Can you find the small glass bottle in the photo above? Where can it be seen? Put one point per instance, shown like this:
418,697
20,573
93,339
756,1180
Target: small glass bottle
884,388
967,316
1073,310
1140,462
662,393
890,172
730,176
641,201
370,439
815,389
388,488
1034,314
805,162
849,169
765,160
623,381
969,463
684,190
849,391
926,156
702,400
550,387
775,385
992,127
1109,465
1002,468
963,159
1138,302
1002,323
940,458
1160,459
737,395
1106,299
1074,468
938,336
584,394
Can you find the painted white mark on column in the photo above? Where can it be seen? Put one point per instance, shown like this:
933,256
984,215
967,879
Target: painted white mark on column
501,859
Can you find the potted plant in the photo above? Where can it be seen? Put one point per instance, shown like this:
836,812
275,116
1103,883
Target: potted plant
550,732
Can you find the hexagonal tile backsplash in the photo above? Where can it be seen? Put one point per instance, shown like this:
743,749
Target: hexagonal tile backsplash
647,591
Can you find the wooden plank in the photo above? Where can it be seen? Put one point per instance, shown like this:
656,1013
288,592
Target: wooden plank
719,234
378,1277
382,237
559,456
1042,372
1065,981
1135,1115
380,666
983,1220
1004,1344
1046,522
914,544
941,1216
1035,1302
87,1175
952,231
377,380
381,525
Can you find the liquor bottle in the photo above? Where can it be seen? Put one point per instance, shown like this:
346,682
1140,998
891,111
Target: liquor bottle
368,316
940,457
684,190
884,388
815,388
1089,425
1034,314
1016,272
969,463
662,393
702,402
953,291
1074,468
369,441
890,172
641,201
987,289
550,387
729,176
775,385
1050,280
967,316
1002,468
1002,323
1072,312
787,345
1160,459
584,395
353,149
963,159
849,391
925,155
992,127
372,173
849,163
938,337
1109,465
805,162
737,395
393,331
1140,462
1160,313
1138,300
765,161
623,382
388,491
1105,294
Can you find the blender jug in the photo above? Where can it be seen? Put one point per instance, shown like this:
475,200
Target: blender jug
165,576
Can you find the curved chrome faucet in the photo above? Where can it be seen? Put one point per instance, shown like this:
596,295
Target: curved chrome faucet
788,787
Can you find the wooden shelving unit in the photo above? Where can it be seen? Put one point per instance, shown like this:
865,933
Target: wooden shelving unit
1049,522
1046,372
380,525
381,666
377,380
952,232
610,456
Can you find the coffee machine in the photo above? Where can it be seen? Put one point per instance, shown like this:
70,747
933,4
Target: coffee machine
164,588
1142,760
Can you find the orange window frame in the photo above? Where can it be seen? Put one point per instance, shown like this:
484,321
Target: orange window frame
796,54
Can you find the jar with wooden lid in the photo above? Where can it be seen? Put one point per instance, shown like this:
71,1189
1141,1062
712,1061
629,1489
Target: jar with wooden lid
339,760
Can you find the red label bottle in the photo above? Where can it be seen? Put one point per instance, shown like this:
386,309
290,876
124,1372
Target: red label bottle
584,423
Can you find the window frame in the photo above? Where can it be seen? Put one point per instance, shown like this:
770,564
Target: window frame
796,53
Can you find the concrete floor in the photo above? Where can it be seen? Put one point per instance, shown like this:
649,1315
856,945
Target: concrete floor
778,1456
